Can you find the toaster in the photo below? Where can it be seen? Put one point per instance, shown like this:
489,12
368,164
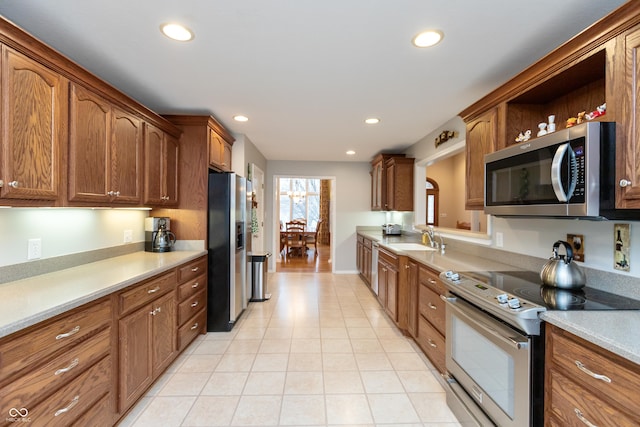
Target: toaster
393,229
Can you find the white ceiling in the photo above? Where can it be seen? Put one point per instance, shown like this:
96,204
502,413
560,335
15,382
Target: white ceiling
307,72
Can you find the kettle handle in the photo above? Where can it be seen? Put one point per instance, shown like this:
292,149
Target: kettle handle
567,248
172,238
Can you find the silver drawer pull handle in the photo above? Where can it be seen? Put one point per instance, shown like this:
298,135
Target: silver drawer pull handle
433,282
73,403
68,334
195,326
195,285
73,364
432,344
154,290
592,374
194,269
432,307
583,419
195,304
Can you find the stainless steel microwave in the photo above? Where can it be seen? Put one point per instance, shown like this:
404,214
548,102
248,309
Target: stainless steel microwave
568,173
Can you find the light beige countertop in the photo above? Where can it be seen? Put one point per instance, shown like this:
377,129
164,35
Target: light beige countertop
613,330
25,302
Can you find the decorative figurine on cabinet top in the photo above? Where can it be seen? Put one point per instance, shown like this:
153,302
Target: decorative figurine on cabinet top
572,121
601,110
543,129
522,137
551,127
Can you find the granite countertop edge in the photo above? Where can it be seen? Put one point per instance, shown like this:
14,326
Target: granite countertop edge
608,329
26,302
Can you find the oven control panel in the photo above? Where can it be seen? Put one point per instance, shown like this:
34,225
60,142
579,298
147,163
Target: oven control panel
488,296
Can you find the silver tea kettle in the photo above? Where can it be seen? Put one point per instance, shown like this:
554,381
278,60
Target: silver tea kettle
164,240
560,271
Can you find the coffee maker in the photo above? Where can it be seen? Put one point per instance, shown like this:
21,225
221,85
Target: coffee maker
157,235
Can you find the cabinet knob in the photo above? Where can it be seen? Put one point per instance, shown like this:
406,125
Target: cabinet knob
14,184
625,183
1,183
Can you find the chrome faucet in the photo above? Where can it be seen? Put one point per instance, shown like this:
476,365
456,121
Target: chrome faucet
431,234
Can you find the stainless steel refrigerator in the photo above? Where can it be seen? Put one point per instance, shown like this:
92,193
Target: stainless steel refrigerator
227,232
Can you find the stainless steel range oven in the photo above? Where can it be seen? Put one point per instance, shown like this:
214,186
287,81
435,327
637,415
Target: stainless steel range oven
495,343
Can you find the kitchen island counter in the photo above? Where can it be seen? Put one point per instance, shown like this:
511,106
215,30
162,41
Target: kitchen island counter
25,302
613,330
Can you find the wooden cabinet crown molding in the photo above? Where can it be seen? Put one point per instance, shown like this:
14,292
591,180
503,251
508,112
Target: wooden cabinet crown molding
203,120
588,41
13,36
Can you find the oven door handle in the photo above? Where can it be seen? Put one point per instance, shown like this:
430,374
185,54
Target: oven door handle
478,321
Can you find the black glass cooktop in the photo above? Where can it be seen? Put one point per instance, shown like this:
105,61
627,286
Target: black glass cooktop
527,285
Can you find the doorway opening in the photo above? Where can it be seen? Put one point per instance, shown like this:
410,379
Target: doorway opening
303,210
433,195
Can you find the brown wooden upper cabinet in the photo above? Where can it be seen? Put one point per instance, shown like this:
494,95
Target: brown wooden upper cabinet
392,183
105,151
482,137
34,105
219,152
160,167
600,65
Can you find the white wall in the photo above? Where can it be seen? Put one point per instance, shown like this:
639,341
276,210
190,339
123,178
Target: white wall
352,203
65,231
535,237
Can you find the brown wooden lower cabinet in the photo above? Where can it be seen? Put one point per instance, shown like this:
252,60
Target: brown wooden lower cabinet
147,345
588,385
89,366
61,366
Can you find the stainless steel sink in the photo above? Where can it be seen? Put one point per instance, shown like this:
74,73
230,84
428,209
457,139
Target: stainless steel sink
410,247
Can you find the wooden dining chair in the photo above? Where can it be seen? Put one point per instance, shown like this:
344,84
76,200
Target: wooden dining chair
296,240
312,237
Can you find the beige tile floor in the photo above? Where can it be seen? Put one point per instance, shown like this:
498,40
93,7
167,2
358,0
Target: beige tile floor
321,352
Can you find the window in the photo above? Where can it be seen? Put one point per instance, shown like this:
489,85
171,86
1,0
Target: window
432,202
299,198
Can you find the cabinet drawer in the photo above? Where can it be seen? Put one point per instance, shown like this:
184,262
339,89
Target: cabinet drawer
100,414
72,400
41,381
193,269
194,326
29,348
568,352
388,257
432,308
432,343
571,404
431,279
192,287
141,294
191,306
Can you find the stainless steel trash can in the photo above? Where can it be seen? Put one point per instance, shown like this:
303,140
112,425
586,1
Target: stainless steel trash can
259,277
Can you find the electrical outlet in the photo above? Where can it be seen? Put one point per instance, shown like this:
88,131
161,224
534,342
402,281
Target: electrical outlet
34,249
499,239
128,236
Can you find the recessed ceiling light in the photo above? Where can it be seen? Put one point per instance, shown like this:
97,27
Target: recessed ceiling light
240,118
351,153
428,38
176,32
372,121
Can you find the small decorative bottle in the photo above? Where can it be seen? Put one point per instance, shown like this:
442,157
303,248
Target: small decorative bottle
552,124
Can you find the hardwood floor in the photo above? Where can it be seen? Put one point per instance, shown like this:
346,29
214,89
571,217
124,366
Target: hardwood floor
308,263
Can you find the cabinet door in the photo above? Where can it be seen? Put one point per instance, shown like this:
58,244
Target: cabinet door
482,136
392,292
412,309
170,171
366,263
136,373
89,140
163,332
382,283
376,186
389,203
628,164
215,149
226,156
126,158
359,255
33,115
153,159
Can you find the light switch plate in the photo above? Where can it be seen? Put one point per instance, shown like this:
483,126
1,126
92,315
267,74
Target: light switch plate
128,236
